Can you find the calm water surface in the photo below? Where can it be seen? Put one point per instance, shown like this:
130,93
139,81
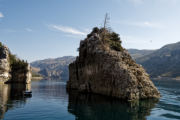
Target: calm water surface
50,101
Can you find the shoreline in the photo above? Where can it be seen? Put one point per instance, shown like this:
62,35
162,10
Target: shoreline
36,78
160,78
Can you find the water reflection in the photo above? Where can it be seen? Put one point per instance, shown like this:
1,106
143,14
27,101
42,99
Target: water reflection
49,89
51,102
95,107
11,95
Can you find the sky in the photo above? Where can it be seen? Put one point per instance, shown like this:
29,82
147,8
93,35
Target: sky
40,29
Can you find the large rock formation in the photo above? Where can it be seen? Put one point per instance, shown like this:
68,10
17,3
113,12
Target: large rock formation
104,67
12,69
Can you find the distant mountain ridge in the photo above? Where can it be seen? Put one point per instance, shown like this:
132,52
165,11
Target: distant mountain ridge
135,53
163,62
56,68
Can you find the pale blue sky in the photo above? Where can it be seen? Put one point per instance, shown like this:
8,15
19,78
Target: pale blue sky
39,29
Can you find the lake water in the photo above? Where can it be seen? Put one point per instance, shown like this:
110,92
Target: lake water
50,101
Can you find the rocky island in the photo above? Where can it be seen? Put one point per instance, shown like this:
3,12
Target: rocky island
105,67
12,69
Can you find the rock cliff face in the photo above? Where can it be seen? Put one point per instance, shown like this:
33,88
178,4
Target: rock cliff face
4,64
104,67
21,75
12,69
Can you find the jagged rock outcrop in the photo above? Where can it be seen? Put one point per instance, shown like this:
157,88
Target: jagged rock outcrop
12,69
104,67
4,64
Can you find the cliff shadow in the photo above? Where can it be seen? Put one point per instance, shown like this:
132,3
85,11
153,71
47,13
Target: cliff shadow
97,107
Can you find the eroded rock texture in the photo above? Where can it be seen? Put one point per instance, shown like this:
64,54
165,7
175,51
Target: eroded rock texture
104,67
4,64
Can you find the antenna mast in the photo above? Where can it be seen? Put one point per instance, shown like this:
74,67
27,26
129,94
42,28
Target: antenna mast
106,20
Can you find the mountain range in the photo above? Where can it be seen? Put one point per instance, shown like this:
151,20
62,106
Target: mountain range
164,62
56,68
135,53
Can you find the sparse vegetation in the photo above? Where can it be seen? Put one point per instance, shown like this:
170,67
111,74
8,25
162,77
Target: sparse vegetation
114,41
12,58
1,44
17,65
108,37
36,75
95,30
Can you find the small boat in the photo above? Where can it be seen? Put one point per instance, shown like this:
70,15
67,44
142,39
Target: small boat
27,93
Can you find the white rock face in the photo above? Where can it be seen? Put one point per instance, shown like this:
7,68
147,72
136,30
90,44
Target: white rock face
28,75
6,75
4,64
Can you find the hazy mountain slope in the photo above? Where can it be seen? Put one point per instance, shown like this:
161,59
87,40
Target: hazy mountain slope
163,62
54,68
135,53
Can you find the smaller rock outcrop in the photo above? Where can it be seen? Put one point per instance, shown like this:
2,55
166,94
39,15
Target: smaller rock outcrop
105,67
12,69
